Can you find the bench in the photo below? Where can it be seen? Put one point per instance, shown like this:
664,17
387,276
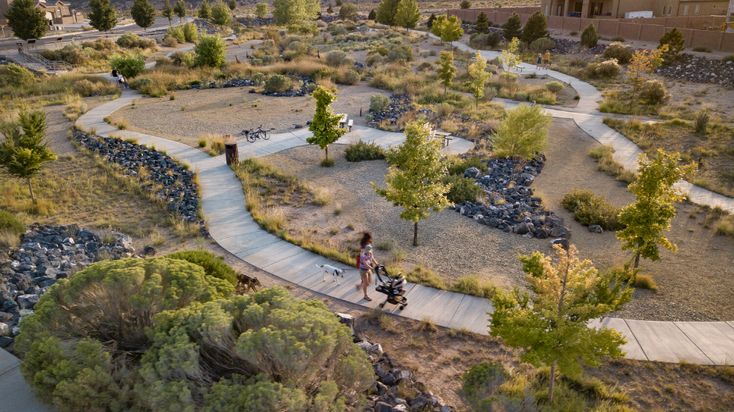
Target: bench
445,136
350,124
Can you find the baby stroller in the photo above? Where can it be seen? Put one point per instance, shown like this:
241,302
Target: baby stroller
393,287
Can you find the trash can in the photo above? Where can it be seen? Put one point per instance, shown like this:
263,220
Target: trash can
230,151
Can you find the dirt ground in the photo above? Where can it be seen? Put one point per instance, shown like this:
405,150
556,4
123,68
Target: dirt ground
687,98
229,111
693,284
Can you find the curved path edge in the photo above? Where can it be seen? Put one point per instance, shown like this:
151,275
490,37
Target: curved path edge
232,227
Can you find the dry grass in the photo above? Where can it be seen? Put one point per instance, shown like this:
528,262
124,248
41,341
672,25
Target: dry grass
214,141
75,106
604,156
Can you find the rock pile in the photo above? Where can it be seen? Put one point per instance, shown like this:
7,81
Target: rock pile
568,46
255,21
398,106
46,254
511,206
169,181
396,389
700,70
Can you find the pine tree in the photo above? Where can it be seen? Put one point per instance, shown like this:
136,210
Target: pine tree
589,37
465,4
232,4
446,69
167,11
447,28
261,10
386,11
407,14
431,18
477,71
650,215
180,9
26,20
295,11
550,324
325,124
102,15
675,42
512,27
143,13
24,150
482,24
372,16
414,180
535,28
205,12
522,134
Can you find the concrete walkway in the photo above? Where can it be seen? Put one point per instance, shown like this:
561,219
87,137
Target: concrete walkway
15,393
223,204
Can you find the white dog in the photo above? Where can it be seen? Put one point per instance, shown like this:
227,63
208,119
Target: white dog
331,270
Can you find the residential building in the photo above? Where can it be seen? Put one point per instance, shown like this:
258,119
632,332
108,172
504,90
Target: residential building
57,14
617,8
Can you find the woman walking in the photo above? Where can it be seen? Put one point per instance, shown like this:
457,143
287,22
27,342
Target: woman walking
366,263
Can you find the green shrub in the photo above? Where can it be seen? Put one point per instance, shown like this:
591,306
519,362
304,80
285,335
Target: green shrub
480,382
589,38
542,44
603,70
379,103
278,83
591,209
653,92
458,166
213,265
725,226
190,32
475,286
9,224
619,51
399,53
15,75
604,155
133,41
128,65
462,189
94,87
362,151
348,76
221,14
336,58
176,32
210,51
729,58
554,86
182,58
645,282
522,134
485,40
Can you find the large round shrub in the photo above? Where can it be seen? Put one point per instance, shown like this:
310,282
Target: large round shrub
128,65
653,92
213,265
603,70
462,189
15,75
278,83
210,51
619,51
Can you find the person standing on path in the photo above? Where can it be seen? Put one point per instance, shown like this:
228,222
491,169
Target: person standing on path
366,263
547,59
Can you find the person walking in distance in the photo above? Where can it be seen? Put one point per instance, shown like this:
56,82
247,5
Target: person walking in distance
366,262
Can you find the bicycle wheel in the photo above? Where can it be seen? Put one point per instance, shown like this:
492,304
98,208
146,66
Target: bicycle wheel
251,137
265,135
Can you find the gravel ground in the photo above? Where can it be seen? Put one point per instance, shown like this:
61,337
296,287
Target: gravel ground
229,111
693,284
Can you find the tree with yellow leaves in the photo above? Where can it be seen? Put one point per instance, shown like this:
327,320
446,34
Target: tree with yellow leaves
644,62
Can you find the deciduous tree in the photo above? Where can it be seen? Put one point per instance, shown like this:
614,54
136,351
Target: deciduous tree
644,62
26,20
386,11
102,15
512,27
522,133
325,124
477,71
143,13
550,324
210,51
221,15
295,11
180,9
128,65
414,180
446,69
482,23
535,28
510,54
167,11
205,11
407,14
448,28
24,151
650,215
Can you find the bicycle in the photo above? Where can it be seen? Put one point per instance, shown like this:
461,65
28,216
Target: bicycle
259,133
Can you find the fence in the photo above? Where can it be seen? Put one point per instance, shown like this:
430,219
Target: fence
648,30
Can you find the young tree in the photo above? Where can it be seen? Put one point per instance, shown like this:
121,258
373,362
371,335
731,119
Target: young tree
325,124
477,71
102,15
644,62
446,69
167,12
447,28
551,323
589,38
128,65
220,14
482,24
650,215
261,10
510,55
522,133
209,51
232,4
512,27
407,14
348,11
205,12
429,22
24,150
143,13
675,42
26,20
386,11
414,179
180,9
295,11
372,16
535,28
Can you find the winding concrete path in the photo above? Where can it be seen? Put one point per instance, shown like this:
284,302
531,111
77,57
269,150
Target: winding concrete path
223,204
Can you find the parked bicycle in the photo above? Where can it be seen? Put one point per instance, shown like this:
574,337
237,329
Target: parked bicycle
253,134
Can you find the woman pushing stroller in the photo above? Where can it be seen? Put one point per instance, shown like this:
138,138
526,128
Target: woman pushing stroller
366,262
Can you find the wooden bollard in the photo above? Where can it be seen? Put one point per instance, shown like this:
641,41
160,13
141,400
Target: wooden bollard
230,151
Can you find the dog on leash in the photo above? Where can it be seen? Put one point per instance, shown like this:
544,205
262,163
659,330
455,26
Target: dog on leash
335,273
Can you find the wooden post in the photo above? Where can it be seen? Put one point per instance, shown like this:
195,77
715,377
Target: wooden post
230,151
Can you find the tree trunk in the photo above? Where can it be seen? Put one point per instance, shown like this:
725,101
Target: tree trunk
415,233
326,151
551,383
636,264
30,189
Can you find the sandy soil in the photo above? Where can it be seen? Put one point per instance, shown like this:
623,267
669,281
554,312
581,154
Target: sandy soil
693,284
688,98
228,111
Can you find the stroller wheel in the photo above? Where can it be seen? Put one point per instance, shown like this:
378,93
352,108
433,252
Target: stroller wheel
382,305
402,307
